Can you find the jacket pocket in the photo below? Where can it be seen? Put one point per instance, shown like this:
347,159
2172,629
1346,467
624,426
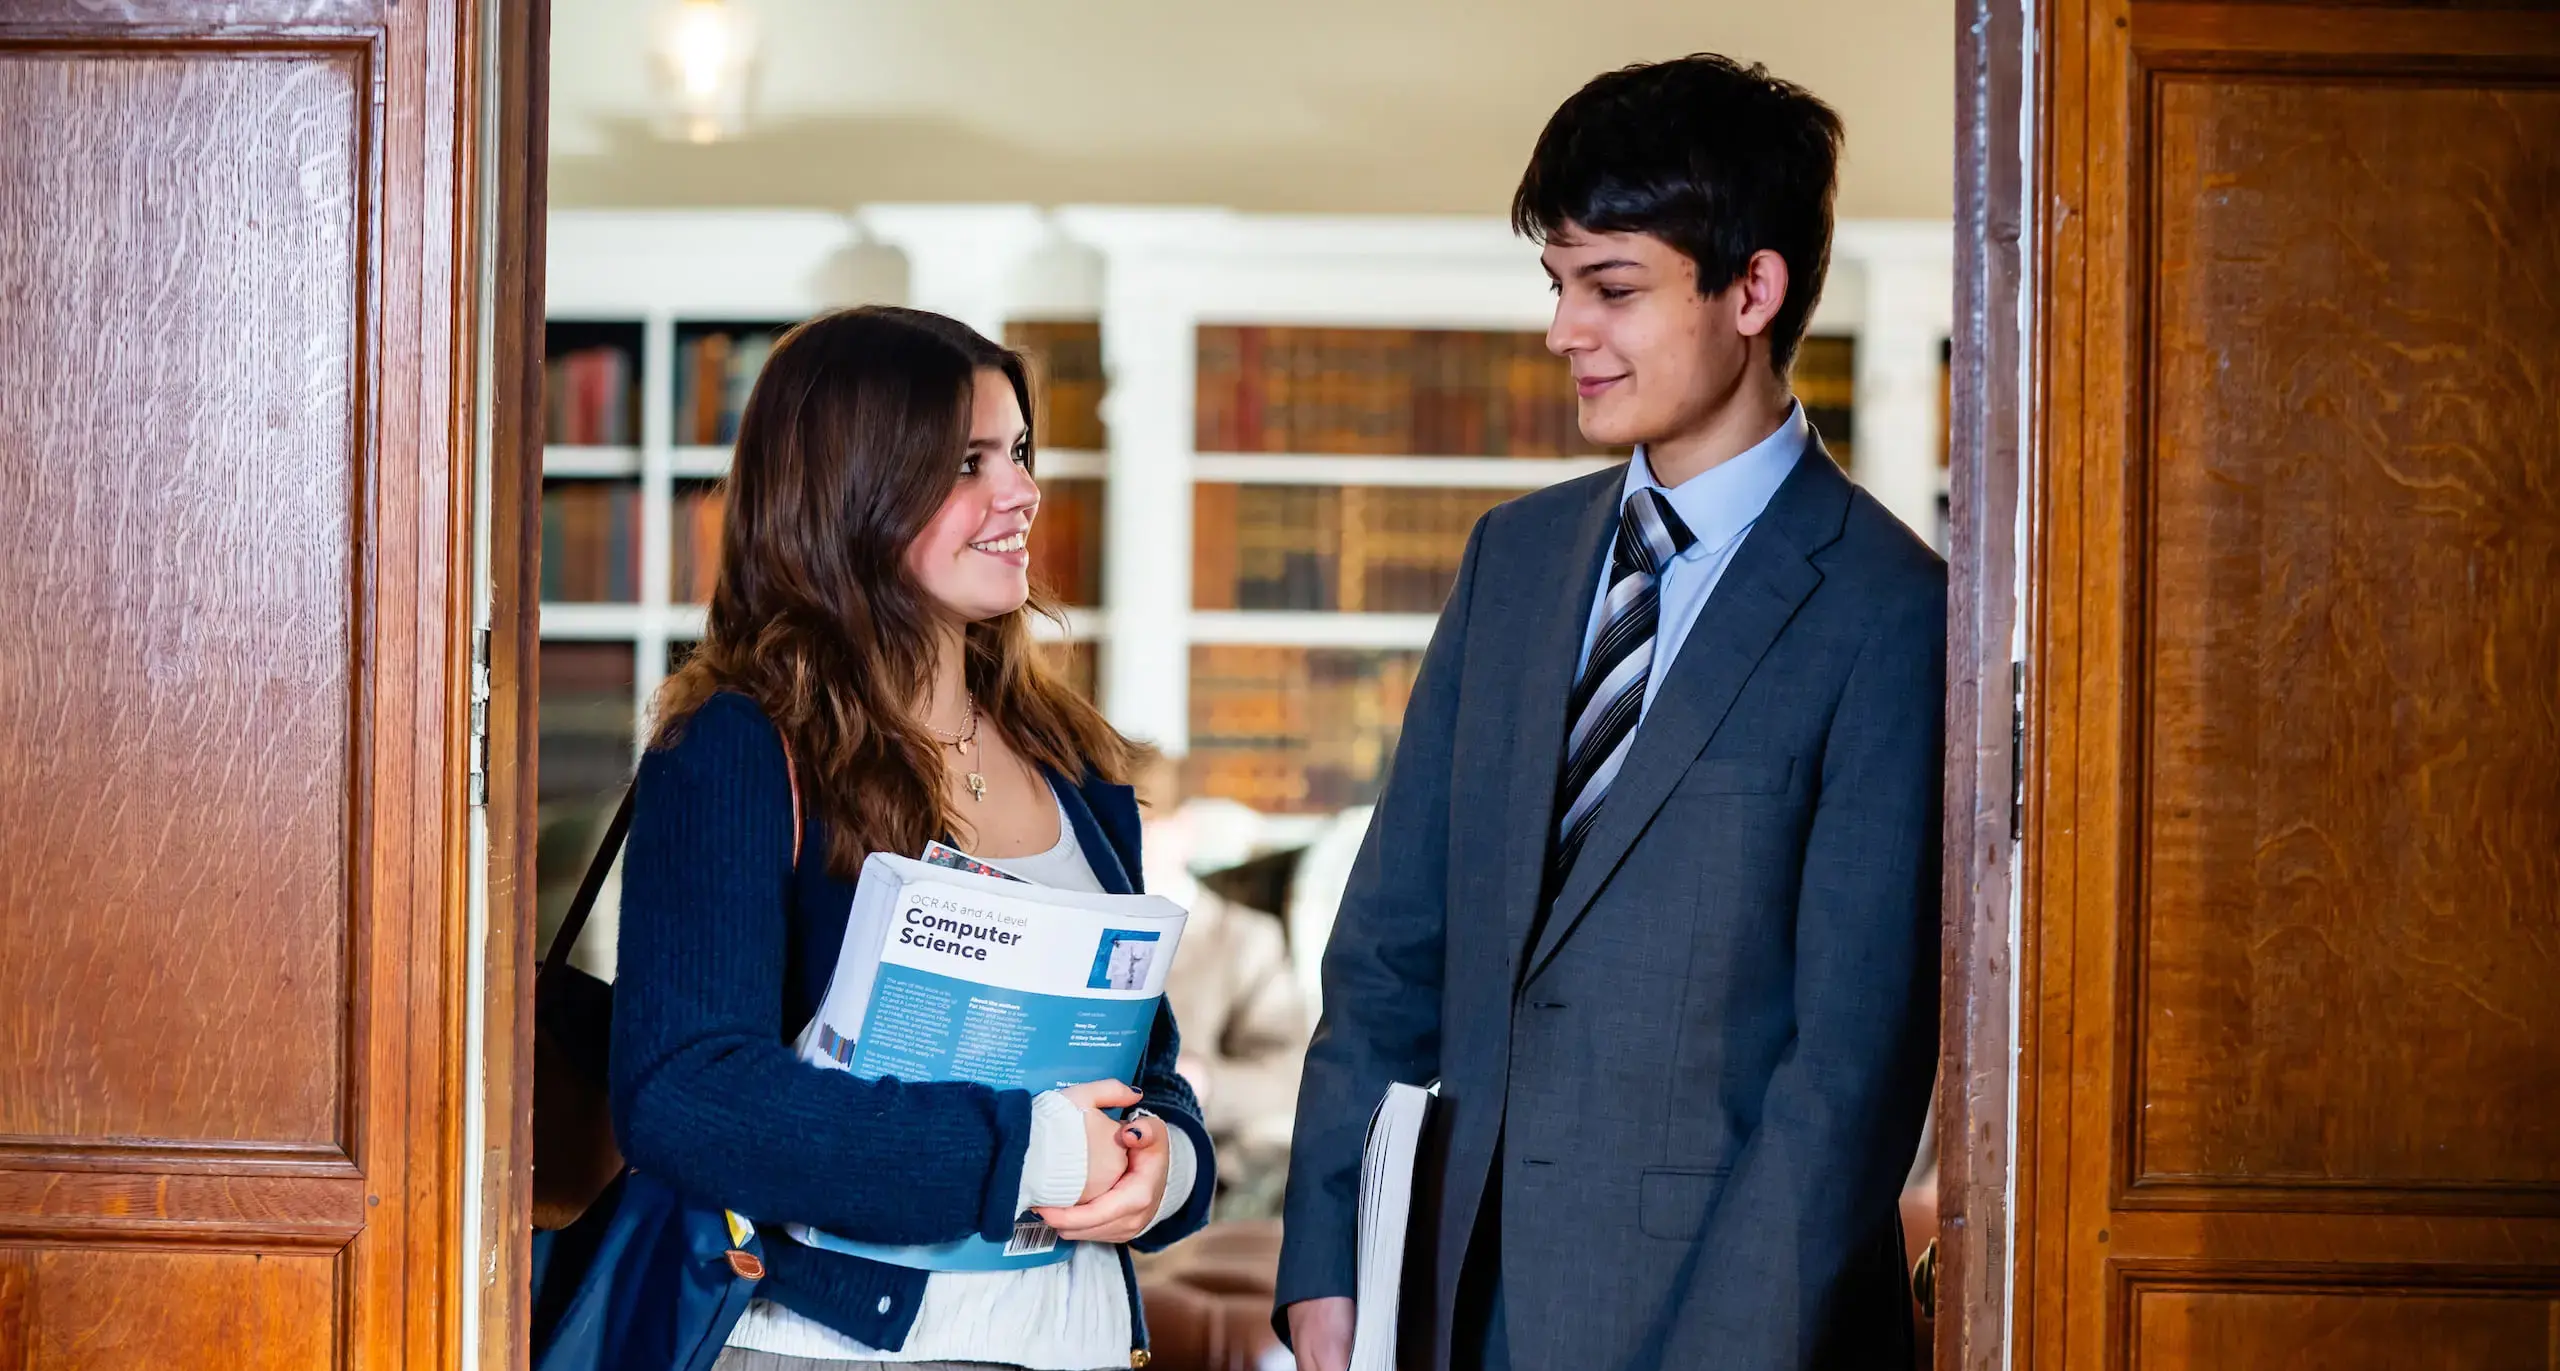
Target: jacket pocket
1737,776
1673,1202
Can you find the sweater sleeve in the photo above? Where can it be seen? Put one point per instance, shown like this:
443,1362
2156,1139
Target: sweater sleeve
1055,1165
706,1094
1168,1096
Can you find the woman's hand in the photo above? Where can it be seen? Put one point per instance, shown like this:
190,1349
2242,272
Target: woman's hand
1129,1206
1106,1156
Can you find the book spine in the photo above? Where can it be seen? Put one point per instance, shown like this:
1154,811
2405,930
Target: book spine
555,528
1216,568
710,383
1213,389
1253,398
619,422
745,364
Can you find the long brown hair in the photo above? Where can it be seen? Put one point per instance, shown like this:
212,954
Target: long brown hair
850,442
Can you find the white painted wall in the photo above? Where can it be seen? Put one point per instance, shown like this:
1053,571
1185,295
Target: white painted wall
1314,106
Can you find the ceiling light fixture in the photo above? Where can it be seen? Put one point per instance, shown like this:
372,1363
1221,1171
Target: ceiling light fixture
705,59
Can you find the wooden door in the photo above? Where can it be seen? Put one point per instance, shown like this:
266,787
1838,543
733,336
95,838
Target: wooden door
2289,1091
235,409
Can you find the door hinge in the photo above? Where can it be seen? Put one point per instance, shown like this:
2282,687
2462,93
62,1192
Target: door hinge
479,741
2017,750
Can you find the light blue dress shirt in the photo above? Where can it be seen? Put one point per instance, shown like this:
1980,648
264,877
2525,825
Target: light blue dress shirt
1719,505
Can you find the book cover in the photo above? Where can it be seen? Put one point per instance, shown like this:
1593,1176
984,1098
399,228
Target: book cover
950,974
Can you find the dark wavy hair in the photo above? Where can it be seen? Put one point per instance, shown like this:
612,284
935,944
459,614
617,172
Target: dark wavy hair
1717,159
851,440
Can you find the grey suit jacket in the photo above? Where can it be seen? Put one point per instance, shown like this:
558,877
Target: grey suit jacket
1705,1080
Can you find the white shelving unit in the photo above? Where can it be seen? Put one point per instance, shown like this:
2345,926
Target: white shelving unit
1152,277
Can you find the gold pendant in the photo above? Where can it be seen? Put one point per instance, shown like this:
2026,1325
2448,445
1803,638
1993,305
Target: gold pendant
962,747
977,787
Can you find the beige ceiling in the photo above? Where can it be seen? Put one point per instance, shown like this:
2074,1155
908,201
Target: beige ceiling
1348,106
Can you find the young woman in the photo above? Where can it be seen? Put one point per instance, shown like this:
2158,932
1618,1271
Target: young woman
869,640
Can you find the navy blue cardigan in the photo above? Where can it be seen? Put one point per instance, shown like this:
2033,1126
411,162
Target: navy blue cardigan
725,951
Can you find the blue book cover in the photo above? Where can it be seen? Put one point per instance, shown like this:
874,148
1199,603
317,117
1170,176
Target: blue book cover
952,973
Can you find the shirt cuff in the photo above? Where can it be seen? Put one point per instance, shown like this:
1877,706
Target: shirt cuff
1053,1164
1182,1171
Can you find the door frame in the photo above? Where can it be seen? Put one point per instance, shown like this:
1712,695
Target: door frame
1993,442
515,65
1999,235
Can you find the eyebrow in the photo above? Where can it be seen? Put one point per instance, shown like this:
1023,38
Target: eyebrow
1593,268
977,443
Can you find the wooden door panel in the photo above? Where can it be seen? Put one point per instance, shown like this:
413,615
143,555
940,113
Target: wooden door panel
2350,685
235,257
2177,1325
111,1310
183,537
2289,1081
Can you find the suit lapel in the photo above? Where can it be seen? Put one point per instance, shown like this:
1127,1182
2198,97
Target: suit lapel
1769,578
1552,632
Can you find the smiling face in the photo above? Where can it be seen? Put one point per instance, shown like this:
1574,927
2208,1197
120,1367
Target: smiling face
973,556
1654,361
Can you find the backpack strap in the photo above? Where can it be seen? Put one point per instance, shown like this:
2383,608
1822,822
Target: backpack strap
583,904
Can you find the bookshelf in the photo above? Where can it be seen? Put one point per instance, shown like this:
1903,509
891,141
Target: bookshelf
1262,657
1254,548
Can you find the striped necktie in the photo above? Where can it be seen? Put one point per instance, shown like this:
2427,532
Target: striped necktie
1608,699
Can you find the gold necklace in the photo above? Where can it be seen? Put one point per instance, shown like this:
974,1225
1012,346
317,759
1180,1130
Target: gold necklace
961,743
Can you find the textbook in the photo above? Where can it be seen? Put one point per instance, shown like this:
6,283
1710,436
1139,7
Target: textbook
1386,1202
962,972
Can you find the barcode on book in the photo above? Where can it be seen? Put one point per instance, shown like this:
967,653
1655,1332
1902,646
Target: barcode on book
1031,1238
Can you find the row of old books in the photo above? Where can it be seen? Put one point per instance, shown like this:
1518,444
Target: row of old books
590,399
590,541
715,370
1066,541
1293,729
1376,392
1066,381
1352,549
1383,392
1825,383
693,555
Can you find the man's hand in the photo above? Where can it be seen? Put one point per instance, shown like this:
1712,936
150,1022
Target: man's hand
1106,1159
1320,1330
1129,1207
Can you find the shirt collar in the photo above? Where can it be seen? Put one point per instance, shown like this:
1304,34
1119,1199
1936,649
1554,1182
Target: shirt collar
1719,503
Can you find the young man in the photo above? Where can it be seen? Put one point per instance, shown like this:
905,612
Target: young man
1652,890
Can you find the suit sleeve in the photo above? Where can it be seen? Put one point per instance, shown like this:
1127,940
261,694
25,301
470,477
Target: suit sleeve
1814,1189
1382,973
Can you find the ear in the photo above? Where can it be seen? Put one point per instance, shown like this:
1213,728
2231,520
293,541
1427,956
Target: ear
1762,288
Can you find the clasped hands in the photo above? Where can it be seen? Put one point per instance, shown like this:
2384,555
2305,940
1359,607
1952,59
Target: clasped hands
1125,1167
